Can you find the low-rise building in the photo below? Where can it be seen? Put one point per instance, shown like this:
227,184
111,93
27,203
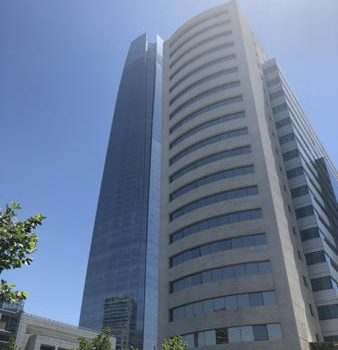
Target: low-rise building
38,333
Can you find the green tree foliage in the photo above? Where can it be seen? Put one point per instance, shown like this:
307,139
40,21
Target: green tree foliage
11,344
17,242
174,343
100,342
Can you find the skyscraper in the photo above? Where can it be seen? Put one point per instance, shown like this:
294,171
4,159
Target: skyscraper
124,250
248,246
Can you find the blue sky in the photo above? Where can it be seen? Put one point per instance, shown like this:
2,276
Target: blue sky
60,65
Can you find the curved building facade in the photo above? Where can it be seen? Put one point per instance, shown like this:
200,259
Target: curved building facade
232,271
121,282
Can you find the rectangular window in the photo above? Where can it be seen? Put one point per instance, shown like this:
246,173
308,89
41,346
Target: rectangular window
304,212
234,335
321,283
299,191
247,334
260,332
315,257
328,312
274,331
294,153
295,172
309,233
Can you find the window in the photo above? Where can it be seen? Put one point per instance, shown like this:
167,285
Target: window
207,124
203,95
321,283
212,199
208,141
240,334
200,43
283,122
223,273
328,312
295,172
204,53
216,221
205,109
299,191
279,108
230,302
256,299
247,334
205,66
274,331
199,32
304,212
210,159
291,154
212,178
269,298
309,233
260,332
286,138
315,257
234,335
273,81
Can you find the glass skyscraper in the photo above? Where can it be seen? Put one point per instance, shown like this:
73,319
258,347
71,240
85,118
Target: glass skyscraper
122,267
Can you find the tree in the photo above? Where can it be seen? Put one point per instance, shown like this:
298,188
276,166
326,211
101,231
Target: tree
101,342
174,343
17,242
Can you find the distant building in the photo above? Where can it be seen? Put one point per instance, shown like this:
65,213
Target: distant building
37,333
9,319
120,316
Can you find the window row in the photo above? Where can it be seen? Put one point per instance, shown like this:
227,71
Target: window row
323,283
202,95
210,159
208,141
221,175
212,199
221,273
187,30
229,302
199,32
207,124
198,44
202,67
208,108
218,74
207,52
241,334
328,312
216,221
219,246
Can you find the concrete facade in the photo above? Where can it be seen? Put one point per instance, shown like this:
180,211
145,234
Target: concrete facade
218,119
37,333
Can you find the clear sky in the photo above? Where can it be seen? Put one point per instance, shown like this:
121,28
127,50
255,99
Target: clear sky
60,65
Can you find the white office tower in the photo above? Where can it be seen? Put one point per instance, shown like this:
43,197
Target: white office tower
249,213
